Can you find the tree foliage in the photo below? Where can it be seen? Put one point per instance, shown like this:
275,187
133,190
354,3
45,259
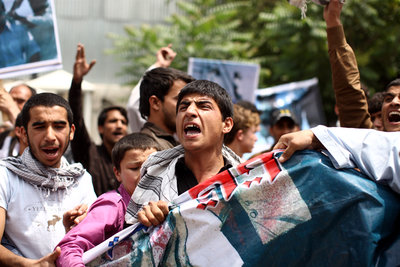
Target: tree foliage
271,33
203,28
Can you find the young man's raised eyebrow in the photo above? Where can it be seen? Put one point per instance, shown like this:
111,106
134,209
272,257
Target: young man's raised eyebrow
184,102
201,101
385,94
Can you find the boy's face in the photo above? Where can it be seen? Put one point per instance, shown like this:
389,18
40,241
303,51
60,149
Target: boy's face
249,138
199,123
129,173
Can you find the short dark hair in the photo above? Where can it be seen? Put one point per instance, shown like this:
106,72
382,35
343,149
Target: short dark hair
210,89
46,100
375,102
18,120
395,82
157,82
131,141
101,119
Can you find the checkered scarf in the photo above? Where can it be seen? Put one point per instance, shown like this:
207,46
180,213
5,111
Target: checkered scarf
158,180
32,171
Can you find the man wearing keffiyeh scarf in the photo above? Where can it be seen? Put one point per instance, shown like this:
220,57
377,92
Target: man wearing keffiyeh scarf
204,115
37,188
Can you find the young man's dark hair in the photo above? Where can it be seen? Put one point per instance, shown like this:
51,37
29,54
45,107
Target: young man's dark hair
46,100
131,141
210,89
101,119
395,82
157,82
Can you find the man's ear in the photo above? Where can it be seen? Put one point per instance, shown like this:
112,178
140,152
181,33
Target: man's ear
155,103
239,135
227,125
100,129
24,135
72,132
117,174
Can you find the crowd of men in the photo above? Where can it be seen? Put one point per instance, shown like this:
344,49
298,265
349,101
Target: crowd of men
185,131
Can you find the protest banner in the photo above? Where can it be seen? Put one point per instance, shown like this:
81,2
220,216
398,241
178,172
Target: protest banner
261,213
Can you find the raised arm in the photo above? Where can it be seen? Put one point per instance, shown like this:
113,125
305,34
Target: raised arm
81,142
350,98
8,105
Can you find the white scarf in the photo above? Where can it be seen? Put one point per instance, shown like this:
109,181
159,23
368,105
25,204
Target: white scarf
32,171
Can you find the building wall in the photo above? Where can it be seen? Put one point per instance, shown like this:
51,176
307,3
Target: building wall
88,22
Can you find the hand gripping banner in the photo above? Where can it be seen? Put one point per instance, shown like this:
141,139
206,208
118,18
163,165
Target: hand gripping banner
261,213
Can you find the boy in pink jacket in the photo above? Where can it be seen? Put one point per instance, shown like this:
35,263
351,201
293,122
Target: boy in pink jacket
106,215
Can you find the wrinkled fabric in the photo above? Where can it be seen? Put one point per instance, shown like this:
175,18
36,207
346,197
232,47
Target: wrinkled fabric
261,213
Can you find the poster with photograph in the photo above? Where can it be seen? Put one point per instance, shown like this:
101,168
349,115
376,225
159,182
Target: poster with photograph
302,98
239,79
28,37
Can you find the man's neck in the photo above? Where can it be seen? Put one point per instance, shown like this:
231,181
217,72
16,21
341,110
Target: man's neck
235,146
108,147
204,165
158,122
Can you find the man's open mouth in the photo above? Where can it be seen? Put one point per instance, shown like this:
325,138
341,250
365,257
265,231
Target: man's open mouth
192,129
394,116
50,151
117,133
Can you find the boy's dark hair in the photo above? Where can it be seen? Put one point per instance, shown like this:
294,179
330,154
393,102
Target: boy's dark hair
395,82
101,119
210,89
157,82
131,141
46,100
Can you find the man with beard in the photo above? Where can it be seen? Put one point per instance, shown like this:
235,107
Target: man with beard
159,91
112,126
38,187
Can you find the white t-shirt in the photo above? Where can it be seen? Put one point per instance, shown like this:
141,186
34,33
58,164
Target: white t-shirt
34,217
